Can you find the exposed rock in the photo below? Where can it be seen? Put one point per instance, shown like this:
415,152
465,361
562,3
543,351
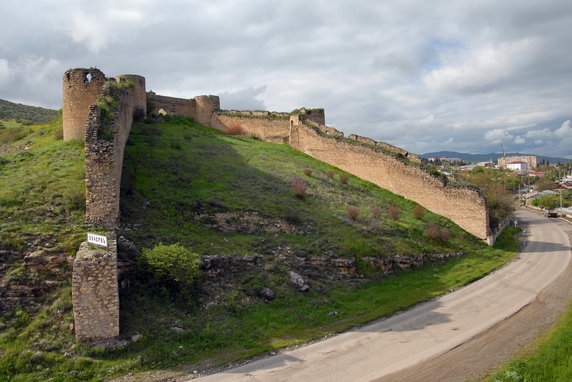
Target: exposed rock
298,282
136,337
176,329
267,293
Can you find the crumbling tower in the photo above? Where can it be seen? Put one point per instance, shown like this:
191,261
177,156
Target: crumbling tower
139,93
81,87
205,106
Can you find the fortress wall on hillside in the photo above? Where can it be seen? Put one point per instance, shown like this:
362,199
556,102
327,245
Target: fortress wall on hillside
464,206
104,163
170,105
276,130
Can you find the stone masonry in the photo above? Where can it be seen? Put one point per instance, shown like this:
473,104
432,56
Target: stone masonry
81,87
95,293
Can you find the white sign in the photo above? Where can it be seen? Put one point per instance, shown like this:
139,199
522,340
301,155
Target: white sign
93,238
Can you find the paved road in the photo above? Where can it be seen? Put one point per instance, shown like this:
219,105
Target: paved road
430,329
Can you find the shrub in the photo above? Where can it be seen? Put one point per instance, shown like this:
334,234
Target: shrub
330,174
138,114
298,187
173,264
434,232
176,145
418,212
394,212
344,178
444,234
308,171
376,211
235,129
353,212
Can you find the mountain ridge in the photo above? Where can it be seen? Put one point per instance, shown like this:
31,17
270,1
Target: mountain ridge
12,110
467,157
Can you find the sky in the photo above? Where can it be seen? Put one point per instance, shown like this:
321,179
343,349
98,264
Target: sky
460,75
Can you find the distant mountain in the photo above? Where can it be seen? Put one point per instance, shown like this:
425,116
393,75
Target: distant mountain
11,110
485,157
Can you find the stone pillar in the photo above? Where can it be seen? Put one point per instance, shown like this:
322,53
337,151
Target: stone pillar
95,293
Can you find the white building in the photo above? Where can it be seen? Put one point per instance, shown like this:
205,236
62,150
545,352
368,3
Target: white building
517,166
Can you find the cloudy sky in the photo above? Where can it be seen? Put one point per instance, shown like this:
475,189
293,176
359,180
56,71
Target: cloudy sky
423,75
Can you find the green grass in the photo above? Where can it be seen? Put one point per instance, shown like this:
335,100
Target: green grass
551,361
42,192
177,177
179,171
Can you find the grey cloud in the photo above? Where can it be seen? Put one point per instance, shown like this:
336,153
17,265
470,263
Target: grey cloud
379,68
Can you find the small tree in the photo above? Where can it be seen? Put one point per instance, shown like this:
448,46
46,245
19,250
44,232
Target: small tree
298,187
394,212
353,212
376,211
344,178
418,212
330,174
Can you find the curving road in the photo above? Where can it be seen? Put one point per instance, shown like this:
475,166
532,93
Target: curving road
426,333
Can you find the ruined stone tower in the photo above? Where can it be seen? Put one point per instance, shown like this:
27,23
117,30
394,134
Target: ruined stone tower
139,92
205,107
81,87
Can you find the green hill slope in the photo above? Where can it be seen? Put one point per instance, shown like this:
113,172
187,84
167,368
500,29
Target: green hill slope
230,200
10,110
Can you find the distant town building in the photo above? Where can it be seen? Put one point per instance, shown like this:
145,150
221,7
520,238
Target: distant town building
537,174
517,166
531,160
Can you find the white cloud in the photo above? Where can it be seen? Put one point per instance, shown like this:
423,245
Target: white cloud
519,140
564,131
497,136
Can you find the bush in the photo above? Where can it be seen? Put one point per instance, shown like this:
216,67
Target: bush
418,212
394,212
173,264
176,145
308,171
434,232
330,174
235,129
376,211
344,178
298,187
138,114
353,213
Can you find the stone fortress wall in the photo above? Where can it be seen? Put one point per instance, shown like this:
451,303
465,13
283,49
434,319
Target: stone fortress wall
464,206
306,131
530,159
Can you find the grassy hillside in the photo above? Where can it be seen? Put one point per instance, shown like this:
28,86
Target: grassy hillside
10,110
550,360
231,200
